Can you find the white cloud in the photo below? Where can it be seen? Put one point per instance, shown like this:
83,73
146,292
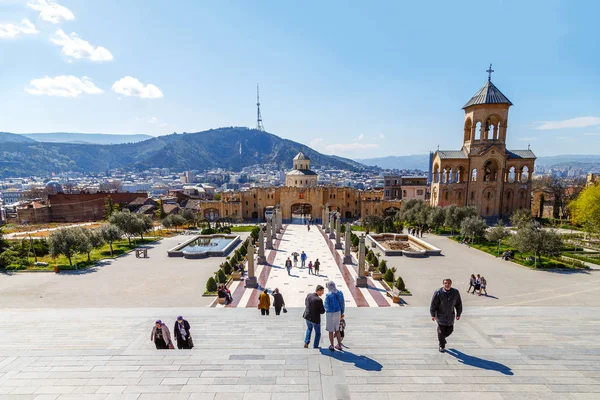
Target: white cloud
349,147
360,137
592,134
580,122
129,86
75,47
316,142
63,86
154,120
381,136
51,11
527,139
12,30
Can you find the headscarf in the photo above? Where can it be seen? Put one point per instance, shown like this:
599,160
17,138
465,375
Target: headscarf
331,287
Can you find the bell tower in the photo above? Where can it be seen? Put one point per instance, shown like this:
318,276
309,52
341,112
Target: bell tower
486,117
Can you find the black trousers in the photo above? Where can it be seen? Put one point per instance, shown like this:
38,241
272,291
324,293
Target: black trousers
183,344
160,344
277,310
443,332
264,312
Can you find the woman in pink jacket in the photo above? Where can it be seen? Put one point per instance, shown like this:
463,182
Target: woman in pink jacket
161,336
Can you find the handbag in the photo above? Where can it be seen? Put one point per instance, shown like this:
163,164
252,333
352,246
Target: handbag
284,310
190,342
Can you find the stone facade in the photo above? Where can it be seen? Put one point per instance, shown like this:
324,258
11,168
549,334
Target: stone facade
483,173
405,187
299,198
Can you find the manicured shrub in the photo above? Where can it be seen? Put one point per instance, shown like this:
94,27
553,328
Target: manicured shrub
221,278
375,262
388,276
211,285
400,284
383,266
227,268
207,231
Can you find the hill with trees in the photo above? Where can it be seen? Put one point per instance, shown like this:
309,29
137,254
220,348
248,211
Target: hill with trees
230,148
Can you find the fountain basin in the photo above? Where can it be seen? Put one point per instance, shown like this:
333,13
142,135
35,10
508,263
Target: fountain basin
400,244
202,246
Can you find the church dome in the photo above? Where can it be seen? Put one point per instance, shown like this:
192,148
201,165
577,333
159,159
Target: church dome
301,156
54,187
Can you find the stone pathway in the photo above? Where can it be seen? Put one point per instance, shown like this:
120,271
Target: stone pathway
503,353
295,287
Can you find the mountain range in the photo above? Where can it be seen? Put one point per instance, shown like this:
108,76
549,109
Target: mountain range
88,138
230,148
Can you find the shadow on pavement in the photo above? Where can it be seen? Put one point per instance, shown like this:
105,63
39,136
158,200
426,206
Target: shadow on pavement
479,362
362,362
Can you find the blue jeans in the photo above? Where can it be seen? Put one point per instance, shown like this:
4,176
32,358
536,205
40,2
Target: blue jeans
309,328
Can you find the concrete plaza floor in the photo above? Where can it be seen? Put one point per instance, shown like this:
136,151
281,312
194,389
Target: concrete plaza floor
86,335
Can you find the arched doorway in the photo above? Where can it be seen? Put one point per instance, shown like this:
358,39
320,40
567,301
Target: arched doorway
301,212
211,214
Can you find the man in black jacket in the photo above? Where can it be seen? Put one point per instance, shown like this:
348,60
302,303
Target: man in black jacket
312,315
181,331
443,303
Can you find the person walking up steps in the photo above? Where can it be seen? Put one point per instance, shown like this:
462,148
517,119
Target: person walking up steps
264,302
295,254
310,268
443,303
161,336
312,314
303,259
288,265
317,265
334,308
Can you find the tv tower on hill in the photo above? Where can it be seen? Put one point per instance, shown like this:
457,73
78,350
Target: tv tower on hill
259,123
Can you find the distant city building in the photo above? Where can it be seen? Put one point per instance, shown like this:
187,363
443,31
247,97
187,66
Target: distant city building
12,196
404,187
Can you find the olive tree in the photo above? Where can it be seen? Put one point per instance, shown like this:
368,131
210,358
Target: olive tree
473,226
66,241
110,233
437,217
521,218
126,222
532,238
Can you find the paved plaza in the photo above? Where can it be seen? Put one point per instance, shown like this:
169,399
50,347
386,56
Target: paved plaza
86,335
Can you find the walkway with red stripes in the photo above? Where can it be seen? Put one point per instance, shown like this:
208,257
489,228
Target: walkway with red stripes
295,286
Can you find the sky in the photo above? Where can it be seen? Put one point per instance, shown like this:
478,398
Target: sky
357,79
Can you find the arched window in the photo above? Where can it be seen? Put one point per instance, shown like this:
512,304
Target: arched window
436,173
478,131
490,171
498,131
511,175
525,174
468,128
490,133
459,172
489,195
474,175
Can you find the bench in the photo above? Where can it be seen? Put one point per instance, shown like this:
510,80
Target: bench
394,294
221,300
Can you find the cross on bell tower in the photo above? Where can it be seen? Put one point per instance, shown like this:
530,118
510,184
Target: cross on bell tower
489,71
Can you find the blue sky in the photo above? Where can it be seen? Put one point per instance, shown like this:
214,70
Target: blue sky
353,78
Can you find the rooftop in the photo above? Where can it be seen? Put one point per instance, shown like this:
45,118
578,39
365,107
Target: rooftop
488,94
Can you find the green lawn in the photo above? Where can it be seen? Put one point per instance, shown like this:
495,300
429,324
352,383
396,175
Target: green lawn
80,261
579,256
521,259
242,228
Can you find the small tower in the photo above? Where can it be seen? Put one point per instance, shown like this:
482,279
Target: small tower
486,116
259,123
301,176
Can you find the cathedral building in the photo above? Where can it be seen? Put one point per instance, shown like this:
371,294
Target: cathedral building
483,173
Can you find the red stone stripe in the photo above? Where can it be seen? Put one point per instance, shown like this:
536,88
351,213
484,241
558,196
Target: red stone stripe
264,274
359,298
377,296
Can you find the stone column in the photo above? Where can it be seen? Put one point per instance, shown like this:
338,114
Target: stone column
332,225
347,245
251,281
261,247
280,220
361,280
326,220
338,234
269,234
